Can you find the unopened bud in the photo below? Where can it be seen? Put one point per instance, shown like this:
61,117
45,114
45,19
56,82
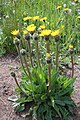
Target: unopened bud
27,37
13,74
16,41
23,52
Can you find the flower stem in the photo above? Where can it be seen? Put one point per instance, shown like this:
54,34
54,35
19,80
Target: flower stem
14,76
49,72
72,66
27,69
37,52
18,50
48,46
30,53
56,55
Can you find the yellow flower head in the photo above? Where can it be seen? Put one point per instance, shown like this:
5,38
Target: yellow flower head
78,17
66,9
43,19
27,18
35,18
25,32
31,25
42,27
15,32
31,28
48,55
71,46
45,32
55,33
59,7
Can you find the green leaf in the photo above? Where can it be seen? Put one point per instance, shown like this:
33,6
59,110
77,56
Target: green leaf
43,97
59,102
52,101
57,110
12,98
20,108
69,82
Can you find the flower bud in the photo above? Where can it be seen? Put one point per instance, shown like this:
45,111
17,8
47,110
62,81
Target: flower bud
71,49
48,59
57,37
46,38
35,35
23,52
16,41
18,36
27,37
13,74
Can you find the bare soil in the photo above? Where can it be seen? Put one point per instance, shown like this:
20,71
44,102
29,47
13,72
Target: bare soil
7,88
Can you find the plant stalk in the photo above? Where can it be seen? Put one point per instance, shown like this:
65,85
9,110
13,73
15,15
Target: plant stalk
48,46
37,52
56,55
27,68
49,72
21,61
30,53
72,66
18,84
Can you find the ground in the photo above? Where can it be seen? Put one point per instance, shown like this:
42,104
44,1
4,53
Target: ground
7,88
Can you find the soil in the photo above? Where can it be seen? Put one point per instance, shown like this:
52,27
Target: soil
7,88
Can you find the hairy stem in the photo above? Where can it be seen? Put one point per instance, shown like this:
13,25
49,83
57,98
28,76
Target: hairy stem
49,72
37,52
56,55
30,52
19,85
72,66
48,46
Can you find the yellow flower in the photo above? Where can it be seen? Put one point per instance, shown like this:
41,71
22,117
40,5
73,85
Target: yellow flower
27,18
45,32
58,7
25,32
48,55
55,33
43,19
66,9
35,18
15,32
31,28
78,17
42,27
71,46
31,25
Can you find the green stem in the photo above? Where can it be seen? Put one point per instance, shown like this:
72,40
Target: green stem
37,52
48,46
21,60
72,65
56,55
27,69
49,72
19,85
30,52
